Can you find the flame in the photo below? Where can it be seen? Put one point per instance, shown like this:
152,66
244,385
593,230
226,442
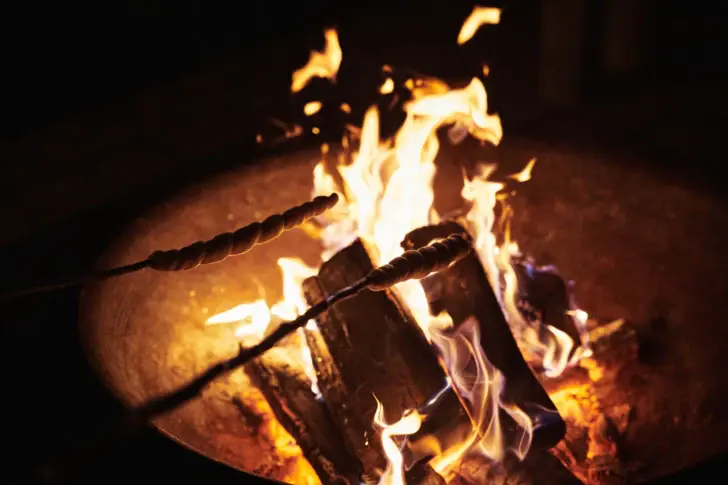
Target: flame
254,319
408,424
479,383
477,18
312,107
388,192
320,64
525,174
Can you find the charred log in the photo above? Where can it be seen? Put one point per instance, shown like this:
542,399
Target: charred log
306,418
539,467
596,411
367,347
423,474
443,428
445,425
463,291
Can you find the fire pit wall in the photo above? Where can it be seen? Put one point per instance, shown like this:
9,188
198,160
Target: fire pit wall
638,248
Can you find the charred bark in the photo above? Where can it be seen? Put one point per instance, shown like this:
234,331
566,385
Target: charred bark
463,291
307,419
367,347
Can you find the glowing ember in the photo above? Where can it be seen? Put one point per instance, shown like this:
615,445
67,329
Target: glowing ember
388,192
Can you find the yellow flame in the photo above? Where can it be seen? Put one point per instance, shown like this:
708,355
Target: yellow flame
388,191
253,318
312,107
320,64
408,424
477,18
525,174
387,87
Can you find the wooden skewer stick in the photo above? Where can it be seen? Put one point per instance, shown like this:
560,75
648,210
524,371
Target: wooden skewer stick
411,264
214,250
242,240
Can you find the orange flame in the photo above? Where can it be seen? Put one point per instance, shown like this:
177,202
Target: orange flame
320,64
477,18
388,193
312,107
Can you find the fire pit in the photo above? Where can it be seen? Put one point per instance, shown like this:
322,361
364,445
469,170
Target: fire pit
487,371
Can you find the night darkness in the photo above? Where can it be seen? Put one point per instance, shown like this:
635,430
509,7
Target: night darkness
108,109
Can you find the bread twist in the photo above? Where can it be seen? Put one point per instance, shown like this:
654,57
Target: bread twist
240,241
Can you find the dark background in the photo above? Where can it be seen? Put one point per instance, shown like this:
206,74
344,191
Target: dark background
108,108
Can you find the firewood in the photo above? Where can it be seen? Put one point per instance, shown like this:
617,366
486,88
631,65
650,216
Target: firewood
306,418
463,290
538,468
445,425
423,474
442,429
365,349
595,409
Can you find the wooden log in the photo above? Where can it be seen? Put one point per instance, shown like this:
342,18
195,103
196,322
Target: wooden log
306,418
443,429
539,468
463,290
365,347
445,425
595,407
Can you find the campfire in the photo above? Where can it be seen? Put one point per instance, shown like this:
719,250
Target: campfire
484,372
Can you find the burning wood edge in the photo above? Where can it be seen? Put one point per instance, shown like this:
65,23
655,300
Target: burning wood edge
369,346
306,418
463,291
410,265
593,450
214,250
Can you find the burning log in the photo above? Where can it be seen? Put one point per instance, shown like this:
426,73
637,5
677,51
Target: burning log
446,424
539,467
463,291
423,474
368,346
306,418
595,410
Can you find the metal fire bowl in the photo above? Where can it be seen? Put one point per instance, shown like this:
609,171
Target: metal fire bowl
637,247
